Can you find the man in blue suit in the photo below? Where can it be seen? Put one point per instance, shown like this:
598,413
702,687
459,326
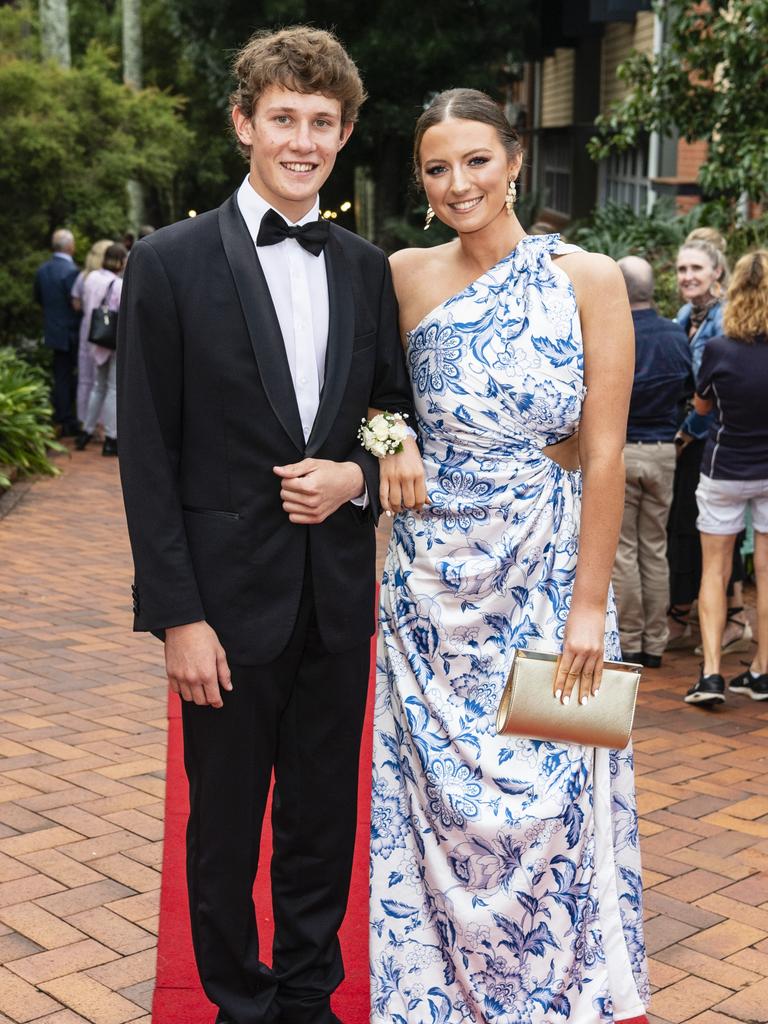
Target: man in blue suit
53,287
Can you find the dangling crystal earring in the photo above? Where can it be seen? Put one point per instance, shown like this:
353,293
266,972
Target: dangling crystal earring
509,202
430,215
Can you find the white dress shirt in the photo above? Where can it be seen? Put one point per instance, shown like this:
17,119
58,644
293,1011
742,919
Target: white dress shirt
298,284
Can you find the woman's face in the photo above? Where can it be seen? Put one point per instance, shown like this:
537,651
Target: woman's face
696,275
465,171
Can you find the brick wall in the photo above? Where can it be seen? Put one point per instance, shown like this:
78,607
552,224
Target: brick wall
690,157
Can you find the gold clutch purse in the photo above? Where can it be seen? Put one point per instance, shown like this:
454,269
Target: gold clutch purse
529,709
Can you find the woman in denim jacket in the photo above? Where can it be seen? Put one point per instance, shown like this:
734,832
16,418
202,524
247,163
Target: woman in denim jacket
702,274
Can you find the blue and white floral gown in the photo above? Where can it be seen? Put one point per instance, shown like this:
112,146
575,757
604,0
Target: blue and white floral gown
505,873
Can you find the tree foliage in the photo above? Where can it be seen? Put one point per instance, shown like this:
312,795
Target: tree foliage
709,82
406,52
616,230
69,139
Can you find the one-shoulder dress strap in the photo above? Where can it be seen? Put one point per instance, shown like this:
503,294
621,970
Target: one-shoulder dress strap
564,248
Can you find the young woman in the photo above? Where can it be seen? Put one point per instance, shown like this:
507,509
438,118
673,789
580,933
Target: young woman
86,368
734,473
505,872
103,285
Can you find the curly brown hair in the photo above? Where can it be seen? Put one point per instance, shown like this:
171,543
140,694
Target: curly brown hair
745,316
301,58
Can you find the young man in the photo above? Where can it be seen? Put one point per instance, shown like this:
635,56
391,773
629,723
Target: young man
253,340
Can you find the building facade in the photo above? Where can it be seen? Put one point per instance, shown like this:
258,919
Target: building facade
557,96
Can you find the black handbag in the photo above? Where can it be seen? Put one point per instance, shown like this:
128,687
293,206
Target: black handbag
103,329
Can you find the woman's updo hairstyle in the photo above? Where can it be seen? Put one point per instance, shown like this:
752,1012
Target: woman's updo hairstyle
706,234
469,105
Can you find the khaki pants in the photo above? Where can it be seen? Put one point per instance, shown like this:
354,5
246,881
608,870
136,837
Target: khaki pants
641,571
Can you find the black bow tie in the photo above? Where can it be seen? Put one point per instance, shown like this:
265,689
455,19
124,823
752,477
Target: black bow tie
311,237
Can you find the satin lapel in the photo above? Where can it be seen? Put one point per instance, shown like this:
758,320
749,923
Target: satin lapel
338,359
260,316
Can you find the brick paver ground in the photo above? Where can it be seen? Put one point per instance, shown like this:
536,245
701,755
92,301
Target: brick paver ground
82,748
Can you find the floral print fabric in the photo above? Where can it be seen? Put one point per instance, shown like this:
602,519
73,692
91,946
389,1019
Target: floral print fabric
505,874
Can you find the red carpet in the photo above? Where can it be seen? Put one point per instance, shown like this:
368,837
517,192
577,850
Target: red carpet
179,998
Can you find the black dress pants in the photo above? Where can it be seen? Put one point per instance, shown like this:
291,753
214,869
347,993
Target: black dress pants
65,387
302,715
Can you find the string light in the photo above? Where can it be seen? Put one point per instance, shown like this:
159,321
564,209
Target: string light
191,213
333,214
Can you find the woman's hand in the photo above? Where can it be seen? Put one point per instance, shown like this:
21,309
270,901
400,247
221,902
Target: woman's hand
582,659
402,481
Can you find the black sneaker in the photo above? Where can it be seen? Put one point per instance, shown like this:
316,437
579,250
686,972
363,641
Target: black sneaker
708,690
757,688
651,660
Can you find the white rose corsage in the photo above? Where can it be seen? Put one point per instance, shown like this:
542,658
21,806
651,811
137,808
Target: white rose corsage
384,434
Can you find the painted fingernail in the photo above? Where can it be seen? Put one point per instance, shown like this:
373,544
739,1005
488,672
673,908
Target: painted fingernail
388,514
595,692
558,694
584,699
566,700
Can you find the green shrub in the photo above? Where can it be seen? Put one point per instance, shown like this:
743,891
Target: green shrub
26,431
617,231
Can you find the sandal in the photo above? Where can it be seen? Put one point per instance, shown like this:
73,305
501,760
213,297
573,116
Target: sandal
739,643
684,640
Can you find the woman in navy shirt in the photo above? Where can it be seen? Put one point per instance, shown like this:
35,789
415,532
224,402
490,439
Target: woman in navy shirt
733,381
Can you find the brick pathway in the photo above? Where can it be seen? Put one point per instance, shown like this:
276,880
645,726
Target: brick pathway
82,747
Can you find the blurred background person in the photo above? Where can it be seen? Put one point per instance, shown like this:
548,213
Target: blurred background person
102,403
86,368
662,382
732,383
52,289
702,276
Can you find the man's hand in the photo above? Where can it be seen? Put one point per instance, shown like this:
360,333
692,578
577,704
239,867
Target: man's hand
196,664
312,490
682,440
401,479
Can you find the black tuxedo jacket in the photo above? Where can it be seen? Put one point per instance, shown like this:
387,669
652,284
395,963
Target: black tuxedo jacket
206,408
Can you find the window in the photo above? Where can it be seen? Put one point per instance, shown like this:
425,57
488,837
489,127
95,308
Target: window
624,179
555,157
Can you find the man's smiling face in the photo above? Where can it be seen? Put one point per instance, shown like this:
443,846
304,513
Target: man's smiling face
294,139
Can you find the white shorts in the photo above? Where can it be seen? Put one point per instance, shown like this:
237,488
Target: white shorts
722,504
